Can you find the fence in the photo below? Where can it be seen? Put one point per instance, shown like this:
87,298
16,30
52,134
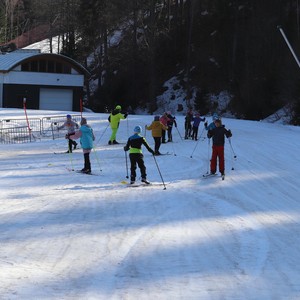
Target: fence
17,131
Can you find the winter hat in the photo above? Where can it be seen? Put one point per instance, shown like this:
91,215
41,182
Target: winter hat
69,117
215,117
118,107
156,118
137,129
83,121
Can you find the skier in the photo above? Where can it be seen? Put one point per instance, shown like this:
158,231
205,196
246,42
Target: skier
70,125
171,122
164,120
86,135
187,124
114,120
157,127
134,145
218,136
196,123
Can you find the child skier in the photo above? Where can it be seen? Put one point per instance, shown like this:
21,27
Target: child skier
218,136
157,127
171,122
196,122
188,123
87,137
134,145
114,120
70,125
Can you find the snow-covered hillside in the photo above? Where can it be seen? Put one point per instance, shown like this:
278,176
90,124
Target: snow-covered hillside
66,235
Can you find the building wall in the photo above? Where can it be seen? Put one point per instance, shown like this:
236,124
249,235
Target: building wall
17,77
13,95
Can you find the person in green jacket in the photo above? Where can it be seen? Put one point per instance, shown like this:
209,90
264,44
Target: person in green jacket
114,120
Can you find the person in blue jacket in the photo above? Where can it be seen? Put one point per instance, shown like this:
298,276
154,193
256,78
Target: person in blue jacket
87,137
134,145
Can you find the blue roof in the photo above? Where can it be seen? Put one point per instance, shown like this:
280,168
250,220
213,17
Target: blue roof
10,60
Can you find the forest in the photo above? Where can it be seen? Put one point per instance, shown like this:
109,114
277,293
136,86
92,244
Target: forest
132,47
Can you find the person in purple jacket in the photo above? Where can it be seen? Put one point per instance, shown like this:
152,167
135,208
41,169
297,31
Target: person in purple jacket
196,122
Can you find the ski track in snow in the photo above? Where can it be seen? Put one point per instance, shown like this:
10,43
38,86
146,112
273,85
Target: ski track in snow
71,236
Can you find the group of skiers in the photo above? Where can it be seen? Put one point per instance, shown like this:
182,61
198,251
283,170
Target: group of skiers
161,128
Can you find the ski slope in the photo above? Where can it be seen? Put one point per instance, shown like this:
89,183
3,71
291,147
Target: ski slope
66,235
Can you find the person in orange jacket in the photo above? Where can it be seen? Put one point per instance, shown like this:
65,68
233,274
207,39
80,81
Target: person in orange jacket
157,127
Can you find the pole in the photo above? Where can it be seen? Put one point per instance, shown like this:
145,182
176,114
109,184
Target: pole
24,106
81,107
98,162
197,143
102,134
179,133
159,172
289,45
233,154
126,164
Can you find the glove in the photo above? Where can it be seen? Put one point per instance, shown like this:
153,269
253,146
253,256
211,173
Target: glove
126,148
205,124
125,115
204,118
229,133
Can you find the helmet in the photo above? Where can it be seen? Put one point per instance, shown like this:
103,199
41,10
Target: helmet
137,129
69,117
156,118
118,107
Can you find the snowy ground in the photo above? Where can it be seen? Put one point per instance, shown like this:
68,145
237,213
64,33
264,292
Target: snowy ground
66,235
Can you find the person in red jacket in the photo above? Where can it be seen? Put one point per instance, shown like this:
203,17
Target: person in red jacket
218,136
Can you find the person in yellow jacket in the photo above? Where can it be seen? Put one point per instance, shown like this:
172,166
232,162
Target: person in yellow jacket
157,127
114,120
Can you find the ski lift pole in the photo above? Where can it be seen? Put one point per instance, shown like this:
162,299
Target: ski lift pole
289,45
81,107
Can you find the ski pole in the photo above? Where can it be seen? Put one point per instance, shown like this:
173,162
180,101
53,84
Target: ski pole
98,162
71,159
194,148
159,172
234,155
179,133
208,146
102,134
126,164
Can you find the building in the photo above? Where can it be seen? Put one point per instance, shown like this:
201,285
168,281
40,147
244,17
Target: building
47,81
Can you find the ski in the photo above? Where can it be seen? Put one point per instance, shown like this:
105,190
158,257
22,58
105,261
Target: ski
143,184
78,171
161,154
213,175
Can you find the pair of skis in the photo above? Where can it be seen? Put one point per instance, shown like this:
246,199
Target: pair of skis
213,175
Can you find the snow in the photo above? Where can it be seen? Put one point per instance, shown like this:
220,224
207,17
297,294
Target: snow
66,235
